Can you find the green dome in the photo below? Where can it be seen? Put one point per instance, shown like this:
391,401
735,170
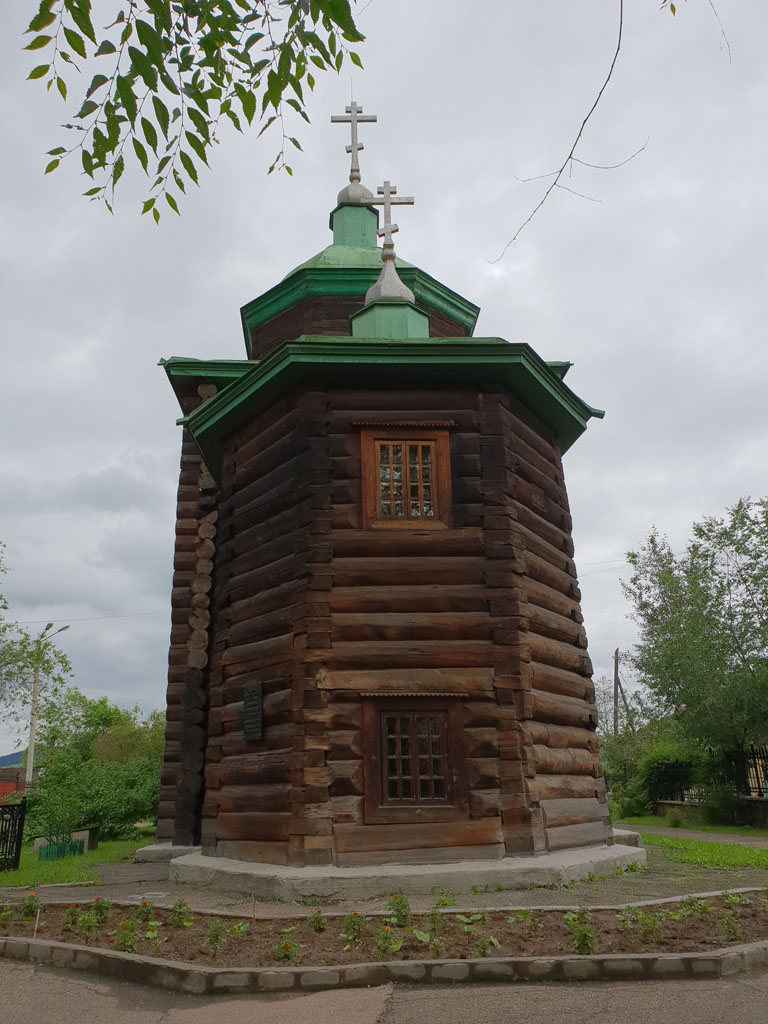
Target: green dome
346,256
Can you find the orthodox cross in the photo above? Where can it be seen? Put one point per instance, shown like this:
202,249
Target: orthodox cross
390,198
353,117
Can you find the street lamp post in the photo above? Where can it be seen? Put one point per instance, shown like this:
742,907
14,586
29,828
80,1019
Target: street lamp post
33,709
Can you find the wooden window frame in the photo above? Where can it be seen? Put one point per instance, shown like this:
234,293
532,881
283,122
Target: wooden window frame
441,483
377,810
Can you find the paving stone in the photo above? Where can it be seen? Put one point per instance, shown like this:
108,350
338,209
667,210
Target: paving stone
732,963
538,970
706,966
196,982
39,951
669,967
366,974
88,959
493,970
228,981
319,977
62,957
450,972
17,948
270,980
756,955
581,970
403,971
622,967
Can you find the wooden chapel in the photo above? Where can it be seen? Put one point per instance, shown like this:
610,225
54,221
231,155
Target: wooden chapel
377,650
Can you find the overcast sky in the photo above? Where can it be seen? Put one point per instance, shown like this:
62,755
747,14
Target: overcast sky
657,291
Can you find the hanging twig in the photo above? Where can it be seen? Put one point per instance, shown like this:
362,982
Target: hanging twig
558,174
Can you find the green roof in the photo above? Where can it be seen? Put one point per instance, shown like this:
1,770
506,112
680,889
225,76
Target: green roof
484,363
344,256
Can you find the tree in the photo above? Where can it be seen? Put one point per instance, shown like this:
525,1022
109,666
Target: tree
703,625
168,73
100,764
22,655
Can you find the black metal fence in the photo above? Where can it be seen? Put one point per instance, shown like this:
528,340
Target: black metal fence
11,832
744,771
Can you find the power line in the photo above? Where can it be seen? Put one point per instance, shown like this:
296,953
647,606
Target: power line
90,618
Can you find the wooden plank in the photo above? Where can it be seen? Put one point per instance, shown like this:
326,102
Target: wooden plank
556,787
400,626
409,680
560,710
415,654
557,680
589,834
415,836
350,572
572,811
409,598
408,542
564,762
253,826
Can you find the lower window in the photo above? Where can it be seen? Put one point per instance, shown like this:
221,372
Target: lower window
413,760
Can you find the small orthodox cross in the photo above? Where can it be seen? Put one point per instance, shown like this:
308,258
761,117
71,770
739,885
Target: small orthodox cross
353,117
390,198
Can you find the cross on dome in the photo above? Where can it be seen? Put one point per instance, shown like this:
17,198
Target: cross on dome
355,192
389,287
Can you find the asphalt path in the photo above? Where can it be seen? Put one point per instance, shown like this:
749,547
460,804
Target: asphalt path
34,995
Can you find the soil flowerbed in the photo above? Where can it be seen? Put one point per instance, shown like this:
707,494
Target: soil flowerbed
318,939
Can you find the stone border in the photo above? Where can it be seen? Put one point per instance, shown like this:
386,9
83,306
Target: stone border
167,974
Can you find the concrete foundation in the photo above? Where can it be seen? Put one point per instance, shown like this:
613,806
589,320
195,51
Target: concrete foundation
161,853
275,882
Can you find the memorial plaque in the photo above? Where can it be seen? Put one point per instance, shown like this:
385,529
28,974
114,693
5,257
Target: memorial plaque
253,725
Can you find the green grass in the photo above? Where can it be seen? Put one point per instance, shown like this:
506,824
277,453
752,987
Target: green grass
700,826
33,872
710,855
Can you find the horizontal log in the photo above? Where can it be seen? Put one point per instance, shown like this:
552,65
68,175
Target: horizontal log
588,834
482,772
260,853
344,778
560,710
334,716
407,626
421,654
403,598
560,736
344,744
543,572
432,835
269,767
263,650
555,680
253,825
236,799
407,543
564,762
558,654
556,787
347,810
351,572
481,742
484,803
572,811
261,603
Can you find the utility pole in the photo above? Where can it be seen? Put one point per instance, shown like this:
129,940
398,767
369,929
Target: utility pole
33,708
616,692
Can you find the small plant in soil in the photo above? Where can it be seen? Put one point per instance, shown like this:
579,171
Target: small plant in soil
484,943
729,927
216,937
436,948
735,900
86,925
145,911
125,936
470,922
239,929
530,926
444,897
153,930
695,906
582,933
352,928
421,936
29,907
436,921
5,913
71,915
400,910
385,942
286,952
317,921
181,916
101,909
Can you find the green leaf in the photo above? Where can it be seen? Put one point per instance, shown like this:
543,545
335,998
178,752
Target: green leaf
76,41
235,120
56,152
126,96
87,161
171,202
197,145
295,142
254,37
267,123
148,204
87,108
340,13
151,40
52,166
93,191
96,83
42,19
179,181
106,46
318,61
156,215
200,123
162,115
188,165
355,58
117,170
248,102
141,153
81,17
143,66
150,133
61,85
39,42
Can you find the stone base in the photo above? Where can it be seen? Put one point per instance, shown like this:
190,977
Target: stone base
162,853
272,882
627,838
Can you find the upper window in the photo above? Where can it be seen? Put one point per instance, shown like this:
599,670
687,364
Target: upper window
406,477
